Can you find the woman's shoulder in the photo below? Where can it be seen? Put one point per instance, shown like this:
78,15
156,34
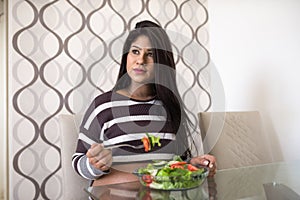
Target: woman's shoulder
103,97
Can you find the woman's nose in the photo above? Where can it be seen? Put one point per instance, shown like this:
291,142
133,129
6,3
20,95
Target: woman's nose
141,59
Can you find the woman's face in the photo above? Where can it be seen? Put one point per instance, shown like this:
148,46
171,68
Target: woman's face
140,64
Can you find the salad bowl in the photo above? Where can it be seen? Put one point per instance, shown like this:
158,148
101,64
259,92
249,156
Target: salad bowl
171,175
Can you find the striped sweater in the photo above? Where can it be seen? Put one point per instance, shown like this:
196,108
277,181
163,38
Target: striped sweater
114,119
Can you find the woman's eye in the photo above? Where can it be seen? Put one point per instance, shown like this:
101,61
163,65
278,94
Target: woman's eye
135,51
150,54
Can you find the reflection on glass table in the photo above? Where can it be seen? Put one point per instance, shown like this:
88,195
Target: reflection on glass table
254,182
134,190
270,181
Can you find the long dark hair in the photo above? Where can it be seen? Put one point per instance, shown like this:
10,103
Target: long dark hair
165,78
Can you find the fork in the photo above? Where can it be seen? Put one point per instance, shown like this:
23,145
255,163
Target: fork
90,142
123,145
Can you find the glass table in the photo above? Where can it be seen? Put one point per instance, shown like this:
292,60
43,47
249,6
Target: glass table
270,181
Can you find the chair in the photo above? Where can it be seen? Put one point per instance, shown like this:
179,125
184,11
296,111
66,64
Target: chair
236,139
73,184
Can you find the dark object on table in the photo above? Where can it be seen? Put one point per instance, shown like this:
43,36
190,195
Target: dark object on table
279,191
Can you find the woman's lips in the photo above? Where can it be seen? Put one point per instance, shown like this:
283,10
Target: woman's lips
139,71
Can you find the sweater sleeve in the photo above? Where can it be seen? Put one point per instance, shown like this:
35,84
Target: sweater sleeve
82,166
87,136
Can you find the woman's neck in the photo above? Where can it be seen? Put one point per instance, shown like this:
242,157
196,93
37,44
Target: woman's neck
140,92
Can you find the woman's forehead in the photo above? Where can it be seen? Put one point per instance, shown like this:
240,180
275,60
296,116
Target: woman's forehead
142,41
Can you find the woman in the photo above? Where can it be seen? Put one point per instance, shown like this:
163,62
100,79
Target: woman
145,100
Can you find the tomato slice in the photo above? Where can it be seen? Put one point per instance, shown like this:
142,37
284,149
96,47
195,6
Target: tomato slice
146,143
147,178
192,167
177,167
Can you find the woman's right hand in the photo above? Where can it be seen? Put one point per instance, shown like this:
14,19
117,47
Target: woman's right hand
99,157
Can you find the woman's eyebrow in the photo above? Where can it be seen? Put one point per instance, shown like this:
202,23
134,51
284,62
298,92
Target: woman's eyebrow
150,49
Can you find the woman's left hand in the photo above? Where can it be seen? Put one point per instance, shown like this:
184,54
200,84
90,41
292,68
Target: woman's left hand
206,160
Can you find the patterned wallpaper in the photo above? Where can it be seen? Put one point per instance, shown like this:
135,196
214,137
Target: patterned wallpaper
63,53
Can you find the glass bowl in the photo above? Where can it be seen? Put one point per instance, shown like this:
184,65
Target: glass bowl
176,182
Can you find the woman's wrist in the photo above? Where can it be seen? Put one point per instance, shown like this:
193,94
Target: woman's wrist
188,160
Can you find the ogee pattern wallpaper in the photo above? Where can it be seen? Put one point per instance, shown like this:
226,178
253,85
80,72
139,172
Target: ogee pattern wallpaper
62,53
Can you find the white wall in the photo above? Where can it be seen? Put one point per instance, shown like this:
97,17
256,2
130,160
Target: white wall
255,45
2,105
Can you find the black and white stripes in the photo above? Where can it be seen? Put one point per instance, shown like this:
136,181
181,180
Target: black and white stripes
114,119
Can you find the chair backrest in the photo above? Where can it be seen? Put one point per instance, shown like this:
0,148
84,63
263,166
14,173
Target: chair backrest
73,184
236,139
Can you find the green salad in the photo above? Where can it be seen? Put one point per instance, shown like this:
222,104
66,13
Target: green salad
169,175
